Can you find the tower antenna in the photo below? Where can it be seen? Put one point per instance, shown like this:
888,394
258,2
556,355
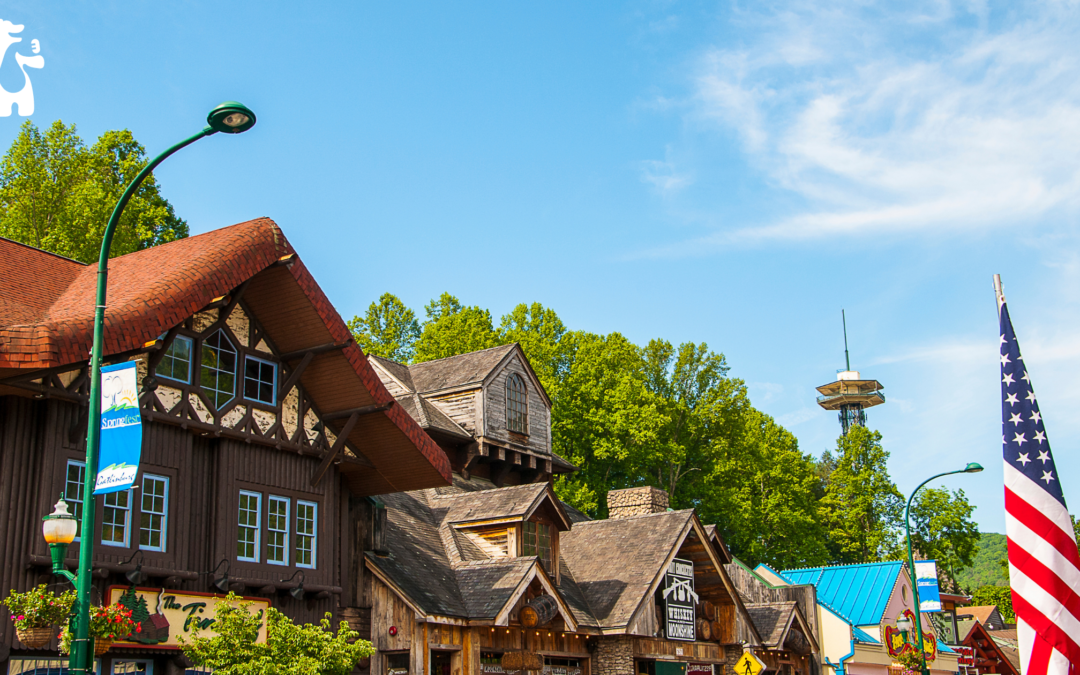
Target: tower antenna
847,359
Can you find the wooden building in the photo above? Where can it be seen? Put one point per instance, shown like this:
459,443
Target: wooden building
266,431
494,571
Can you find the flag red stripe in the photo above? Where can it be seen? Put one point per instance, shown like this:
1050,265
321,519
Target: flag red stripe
1039,661
1035,570
1036,521
1045,629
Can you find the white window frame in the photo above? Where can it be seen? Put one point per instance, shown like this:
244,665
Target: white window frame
78,498
145,662
191,357
273,384
314,532
285,544
164,515
127,519
258,524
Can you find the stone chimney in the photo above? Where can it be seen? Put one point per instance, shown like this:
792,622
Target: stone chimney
636,501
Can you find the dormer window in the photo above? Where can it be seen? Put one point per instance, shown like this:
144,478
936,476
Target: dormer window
536,540
517,404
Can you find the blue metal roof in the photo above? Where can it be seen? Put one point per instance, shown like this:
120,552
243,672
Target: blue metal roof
859,592
863,636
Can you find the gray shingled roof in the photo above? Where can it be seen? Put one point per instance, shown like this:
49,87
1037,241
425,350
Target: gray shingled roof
771,619
399,370
616,561
487,585
429,417
508,502
455,371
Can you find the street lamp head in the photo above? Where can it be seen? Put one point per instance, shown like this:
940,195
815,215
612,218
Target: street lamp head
973,467
231,118
60,526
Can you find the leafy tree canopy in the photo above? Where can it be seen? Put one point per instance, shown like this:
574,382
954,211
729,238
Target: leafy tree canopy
388,329
57,194
289,649
862,507
986,568
942,529
994,595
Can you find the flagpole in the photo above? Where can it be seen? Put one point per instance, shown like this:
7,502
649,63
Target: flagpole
999,293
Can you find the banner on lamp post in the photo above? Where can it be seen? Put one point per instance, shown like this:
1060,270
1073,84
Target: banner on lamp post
121,429
927,583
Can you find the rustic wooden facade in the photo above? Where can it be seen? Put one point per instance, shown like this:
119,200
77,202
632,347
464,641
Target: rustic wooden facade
264,472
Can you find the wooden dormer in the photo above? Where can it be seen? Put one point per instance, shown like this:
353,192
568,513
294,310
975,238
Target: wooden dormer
486,409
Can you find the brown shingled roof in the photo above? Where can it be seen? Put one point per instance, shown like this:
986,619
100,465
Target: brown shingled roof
51,324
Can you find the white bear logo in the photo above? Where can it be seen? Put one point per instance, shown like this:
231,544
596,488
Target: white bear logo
25,96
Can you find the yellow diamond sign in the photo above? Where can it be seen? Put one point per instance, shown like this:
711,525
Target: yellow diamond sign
749,665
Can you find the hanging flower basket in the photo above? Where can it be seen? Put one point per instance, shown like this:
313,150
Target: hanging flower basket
36,637
102,645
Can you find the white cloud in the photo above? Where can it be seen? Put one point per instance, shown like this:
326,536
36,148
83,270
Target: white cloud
915,119
662,175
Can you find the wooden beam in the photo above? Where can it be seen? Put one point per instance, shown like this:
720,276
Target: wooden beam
472,455
319,349
294,376
501,474
155,358
365,410
338,445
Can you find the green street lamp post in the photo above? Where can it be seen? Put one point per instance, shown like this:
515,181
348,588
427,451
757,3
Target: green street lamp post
230,118
972,467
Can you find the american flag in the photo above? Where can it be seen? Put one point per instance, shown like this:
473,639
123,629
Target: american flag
1044,565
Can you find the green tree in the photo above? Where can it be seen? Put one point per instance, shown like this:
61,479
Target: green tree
762,497
986,568
452,329
56,194
862,508
289,649
994,595
388,329
604,419
942,529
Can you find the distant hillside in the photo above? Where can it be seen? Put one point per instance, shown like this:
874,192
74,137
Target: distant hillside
986,569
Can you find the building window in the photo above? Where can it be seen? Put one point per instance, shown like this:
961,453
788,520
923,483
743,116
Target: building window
277,524
247,542
260,380
114,522
73,487
218,369
176,362
537,542
306,517
153,514
517,404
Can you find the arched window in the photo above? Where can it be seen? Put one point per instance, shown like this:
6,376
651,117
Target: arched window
218,376
517,404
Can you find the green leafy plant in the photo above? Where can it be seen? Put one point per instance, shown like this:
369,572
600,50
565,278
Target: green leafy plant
39,608
289,649
911,660
111,622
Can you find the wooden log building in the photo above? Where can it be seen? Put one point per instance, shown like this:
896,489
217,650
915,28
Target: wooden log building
265,433
494,572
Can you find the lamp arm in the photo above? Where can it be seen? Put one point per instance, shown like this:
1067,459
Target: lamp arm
81,662
911,569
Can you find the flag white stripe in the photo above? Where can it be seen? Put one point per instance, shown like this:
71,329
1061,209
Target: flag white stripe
1059,664
1048,605
1043,551
1032,493
1025,639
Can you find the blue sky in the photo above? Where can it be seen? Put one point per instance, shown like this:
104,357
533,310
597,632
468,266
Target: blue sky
709,171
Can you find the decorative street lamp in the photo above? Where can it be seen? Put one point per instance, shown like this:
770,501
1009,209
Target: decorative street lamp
972,467
229,118
60,528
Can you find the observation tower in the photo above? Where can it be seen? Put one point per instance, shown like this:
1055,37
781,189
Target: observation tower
850,394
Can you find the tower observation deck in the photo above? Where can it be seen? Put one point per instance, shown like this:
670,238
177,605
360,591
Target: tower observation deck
850,395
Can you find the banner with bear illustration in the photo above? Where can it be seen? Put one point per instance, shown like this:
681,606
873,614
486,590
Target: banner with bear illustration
121,429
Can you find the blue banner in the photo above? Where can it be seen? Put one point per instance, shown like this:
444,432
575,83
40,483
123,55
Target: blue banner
926,580
121,429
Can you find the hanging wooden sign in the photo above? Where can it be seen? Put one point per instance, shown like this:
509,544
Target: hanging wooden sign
163,615
679,601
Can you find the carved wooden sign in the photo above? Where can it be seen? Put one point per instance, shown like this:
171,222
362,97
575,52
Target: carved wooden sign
679,601
164,615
